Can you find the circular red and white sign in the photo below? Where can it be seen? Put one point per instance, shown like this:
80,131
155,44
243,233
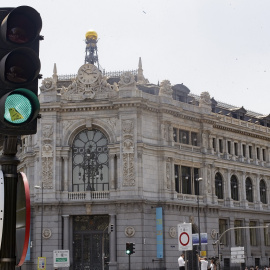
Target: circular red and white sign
184,239
22,218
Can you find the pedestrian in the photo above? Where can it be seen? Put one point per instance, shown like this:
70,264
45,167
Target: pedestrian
181,262
212,265
204,263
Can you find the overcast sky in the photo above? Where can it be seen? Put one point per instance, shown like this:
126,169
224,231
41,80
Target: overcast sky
219,46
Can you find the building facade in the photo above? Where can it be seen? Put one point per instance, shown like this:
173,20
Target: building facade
111,149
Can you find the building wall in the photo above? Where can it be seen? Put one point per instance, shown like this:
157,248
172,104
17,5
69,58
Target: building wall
139,128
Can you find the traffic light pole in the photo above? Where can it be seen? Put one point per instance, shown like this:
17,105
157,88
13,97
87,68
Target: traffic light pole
9,162
128,261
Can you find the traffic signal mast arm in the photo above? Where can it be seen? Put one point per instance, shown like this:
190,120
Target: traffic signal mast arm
267,226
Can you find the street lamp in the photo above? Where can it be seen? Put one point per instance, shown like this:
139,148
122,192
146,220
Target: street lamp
41,187
219,246
199,225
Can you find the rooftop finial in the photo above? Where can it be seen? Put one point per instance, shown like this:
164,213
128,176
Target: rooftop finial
91,55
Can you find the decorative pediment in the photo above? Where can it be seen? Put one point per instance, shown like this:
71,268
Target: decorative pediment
89,84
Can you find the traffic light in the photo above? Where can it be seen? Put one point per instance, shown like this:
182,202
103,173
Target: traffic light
19,70
130,248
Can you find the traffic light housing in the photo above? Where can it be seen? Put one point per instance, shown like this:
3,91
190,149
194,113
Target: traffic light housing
130,248
19,70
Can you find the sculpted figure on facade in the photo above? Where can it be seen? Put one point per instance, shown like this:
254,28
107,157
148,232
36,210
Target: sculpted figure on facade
47,156
205,100
128,153
165,89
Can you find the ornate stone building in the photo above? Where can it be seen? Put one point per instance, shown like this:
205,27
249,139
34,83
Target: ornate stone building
112,148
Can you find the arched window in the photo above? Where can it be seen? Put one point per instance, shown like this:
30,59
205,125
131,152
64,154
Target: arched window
263,191
90,168
234,188
219,185
249,190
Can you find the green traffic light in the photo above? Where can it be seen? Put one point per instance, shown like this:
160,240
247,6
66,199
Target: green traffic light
127,251
18,109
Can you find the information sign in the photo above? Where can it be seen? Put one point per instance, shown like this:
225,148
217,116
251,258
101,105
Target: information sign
237,255
61,258
41,263
184,236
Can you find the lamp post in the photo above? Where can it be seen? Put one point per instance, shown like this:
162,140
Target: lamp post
199,225
42,206
219,246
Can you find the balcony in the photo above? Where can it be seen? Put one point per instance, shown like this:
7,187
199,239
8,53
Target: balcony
88,195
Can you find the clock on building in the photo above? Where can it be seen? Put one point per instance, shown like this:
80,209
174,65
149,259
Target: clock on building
88,74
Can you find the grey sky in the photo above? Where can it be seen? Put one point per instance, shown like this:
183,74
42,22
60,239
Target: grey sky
219,46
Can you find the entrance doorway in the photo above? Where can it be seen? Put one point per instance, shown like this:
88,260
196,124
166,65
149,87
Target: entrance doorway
90,242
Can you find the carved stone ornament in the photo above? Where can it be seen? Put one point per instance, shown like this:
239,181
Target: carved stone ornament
129,231
128,126
172,232
89,84
165,89
88,209
213,234
47,132
205,99
127,81
46,233
47,85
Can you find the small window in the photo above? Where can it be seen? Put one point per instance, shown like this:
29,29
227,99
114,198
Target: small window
263,155
218,185
244,150
175,134
258,152
249,191
234,188
229,147
266,235
222,228
263,192
236,149
184,136
250,151
214,144
194,138
220,145
238,233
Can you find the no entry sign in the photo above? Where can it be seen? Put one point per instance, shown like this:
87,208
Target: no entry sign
184,236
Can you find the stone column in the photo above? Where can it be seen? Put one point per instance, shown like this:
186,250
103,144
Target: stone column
232,233
261,238
247,244
228,184
243,195
113,262
257,198
65,158
112,172
65,231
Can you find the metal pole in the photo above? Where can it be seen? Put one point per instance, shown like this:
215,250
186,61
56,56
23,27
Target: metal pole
42,209
128,261
199,223
9,162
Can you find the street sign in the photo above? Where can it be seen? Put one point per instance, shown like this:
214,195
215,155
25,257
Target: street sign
41,263
195,238
237,255
61,258
184,236
23,216
2,203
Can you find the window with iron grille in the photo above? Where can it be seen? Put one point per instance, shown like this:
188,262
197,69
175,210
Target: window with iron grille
90,166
